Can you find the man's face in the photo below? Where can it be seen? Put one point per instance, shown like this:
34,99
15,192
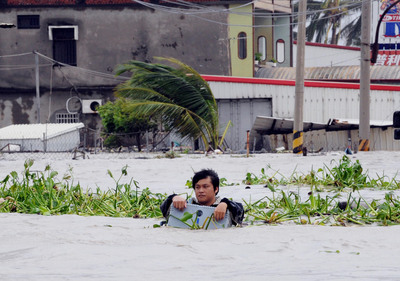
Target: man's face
205,192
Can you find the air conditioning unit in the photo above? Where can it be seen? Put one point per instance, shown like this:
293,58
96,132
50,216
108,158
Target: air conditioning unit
90,106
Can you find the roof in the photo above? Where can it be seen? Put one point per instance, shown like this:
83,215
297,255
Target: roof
36,131
332,46
333,73
307,83
264,125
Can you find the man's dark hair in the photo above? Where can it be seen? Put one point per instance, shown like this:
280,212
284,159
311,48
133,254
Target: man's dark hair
205,173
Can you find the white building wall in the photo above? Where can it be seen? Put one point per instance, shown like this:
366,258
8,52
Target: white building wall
319,56
320,104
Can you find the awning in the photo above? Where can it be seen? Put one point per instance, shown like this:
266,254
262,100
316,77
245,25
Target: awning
351,73
264,125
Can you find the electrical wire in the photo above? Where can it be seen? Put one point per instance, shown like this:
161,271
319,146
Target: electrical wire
92,72
206,9
20,67
273,15
16,55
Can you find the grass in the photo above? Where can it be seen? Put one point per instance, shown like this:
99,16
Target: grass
34,192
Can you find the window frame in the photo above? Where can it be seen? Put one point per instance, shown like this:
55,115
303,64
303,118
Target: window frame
242,45
22,21
278,53
264,51
64,49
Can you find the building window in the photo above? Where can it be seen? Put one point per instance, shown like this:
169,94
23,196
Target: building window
28,21
67,118
64,43
242,45
262,47
280,50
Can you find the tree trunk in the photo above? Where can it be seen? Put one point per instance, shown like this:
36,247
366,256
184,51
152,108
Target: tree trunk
138,137
334,38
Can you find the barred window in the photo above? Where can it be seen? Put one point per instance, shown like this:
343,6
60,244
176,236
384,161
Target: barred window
28,21
67,118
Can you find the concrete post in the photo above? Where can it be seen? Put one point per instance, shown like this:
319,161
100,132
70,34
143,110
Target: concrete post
299,88
364,128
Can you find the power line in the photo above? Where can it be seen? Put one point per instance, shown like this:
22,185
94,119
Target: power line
92,72
206,10
16,55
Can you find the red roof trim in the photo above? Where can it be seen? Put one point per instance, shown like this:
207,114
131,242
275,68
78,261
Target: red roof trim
330,46
316,84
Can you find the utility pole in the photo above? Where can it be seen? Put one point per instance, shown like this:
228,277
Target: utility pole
365,64
37,86
299,88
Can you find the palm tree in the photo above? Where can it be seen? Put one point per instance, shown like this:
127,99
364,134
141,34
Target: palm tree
325,19
180,97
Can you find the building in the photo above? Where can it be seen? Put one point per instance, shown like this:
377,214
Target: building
60,59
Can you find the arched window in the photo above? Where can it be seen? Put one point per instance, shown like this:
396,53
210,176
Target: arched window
242,45
262,47
280,50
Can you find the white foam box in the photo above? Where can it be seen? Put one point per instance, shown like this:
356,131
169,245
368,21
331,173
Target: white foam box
197,217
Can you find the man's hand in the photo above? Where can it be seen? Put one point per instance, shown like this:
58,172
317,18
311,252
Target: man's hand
179,202
220,211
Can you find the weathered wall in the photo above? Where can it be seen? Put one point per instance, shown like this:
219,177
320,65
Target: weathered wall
107,37
110,36
21,107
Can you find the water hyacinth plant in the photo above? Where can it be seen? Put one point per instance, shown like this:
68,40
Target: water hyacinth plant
346,174
328,210
41,193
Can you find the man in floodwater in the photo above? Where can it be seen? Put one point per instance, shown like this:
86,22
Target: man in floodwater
206,187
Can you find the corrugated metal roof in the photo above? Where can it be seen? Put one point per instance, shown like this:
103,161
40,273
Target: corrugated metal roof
265,125
330,73
36,131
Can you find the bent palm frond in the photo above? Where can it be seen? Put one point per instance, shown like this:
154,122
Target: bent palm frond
180,95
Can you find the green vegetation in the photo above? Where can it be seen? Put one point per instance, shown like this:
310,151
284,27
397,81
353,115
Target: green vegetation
42,193
345,174
323,210
179,97
333,20
120,124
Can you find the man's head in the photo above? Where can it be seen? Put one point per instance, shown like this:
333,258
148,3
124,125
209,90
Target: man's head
206,186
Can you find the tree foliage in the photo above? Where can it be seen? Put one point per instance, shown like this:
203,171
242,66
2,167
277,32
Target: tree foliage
119,121
326,18
179,96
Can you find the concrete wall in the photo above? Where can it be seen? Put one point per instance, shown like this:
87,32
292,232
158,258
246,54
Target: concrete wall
110,36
